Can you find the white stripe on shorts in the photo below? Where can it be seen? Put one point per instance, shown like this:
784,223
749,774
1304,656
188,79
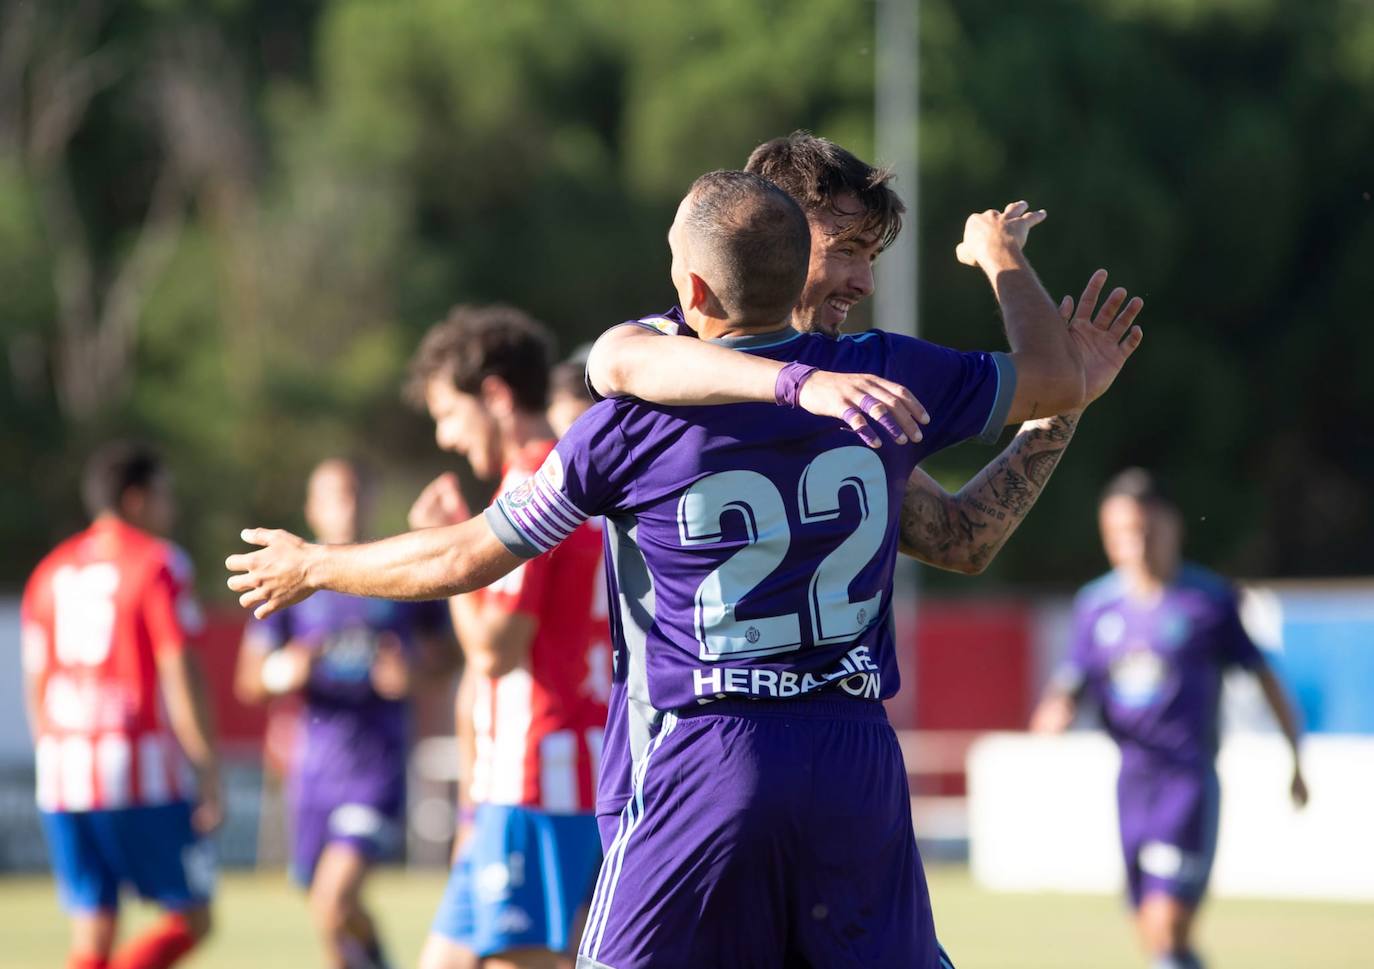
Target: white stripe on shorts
630,818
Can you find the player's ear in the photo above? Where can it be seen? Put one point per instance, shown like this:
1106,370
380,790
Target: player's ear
702,297
497,397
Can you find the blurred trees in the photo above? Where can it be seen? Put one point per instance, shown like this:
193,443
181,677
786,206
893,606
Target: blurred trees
223,226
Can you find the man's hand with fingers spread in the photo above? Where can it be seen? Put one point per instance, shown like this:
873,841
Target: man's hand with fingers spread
1105,341
275,576
857,398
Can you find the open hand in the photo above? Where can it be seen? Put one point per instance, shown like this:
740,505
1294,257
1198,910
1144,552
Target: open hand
857,398
987,231
1104,342
274,577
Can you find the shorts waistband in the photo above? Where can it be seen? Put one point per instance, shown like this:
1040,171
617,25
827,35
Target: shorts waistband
824,706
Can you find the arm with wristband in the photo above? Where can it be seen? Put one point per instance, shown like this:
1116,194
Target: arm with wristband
632,361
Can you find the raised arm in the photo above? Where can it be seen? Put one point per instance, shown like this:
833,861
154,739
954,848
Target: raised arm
963,532
431,563
1051,361
632,361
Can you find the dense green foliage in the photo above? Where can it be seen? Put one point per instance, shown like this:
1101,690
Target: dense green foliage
224,225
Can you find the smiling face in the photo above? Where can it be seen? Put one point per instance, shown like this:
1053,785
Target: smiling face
462,425
840,272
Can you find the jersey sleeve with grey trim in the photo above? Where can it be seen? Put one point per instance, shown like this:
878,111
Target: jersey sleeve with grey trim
587,474
667,323
968,394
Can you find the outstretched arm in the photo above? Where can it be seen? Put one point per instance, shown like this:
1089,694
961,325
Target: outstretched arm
431,563
631,361
963,532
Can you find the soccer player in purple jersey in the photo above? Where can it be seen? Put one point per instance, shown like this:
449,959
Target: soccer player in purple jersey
751,550
352,660
854,215
1151,642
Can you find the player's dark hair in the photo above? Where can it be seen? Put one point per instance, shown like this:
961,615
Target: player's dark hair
476,342
1141,485
755,240
570,378
113,469
816,171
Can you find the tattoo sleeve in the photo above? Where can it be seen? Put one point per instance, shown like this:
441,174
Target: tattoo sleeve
963,532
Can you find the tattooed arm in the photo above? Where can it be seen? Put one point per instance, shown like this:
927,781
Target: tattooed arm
963,532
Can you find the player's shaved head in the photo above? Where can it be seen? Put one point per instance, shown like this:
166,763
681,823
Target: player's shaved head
820,175
749,241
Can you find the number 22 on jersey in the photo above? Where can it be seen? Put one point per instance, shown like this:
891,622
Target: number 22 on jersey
833,617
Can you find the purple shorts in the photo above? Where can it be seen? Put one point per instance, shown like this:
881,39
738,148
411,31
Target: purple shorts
1168,830
373,827
765,834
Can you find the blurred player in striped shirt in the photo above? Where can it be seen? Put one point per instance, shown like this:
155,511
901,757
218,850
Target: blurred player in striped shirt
538,663
128,782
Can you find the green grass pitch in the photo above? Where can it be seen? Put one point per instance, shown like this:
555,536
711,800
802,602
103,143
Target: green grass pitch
262,925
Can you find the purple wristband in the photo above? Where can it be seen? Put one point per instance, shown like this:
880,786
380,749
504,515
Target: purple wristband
789,383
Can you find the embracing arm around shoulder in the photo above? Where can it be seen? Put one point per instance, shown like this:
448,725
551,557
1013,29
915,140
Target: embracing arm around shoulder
431,563
631,361
963,532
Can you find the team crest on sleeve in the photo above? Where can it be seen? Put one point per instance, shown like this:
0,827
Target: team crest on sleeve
521,495
664,326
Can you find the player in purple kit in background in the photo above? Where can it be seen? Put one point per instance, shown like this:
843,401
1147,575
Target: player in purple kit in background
751,552
352,659
854,215
1151,642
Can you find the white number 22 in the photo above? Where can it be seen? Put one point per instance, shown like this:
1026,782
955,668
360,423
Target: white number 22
834,618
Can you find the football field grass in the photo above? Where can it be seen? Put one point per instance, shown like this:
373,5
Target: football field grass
261,924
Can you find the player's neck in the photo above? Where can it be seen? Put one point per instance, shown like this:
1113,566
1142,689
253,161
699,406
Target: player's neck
520,430
108,519
1147,585
714,328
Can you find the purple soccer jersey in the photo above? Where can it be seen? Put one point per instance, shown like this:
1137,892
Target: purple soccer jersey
354,741
750,549
1155,669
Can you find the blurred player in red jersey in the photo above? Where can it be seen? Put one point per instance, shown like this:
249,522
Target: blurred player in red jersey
126,792
538,664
